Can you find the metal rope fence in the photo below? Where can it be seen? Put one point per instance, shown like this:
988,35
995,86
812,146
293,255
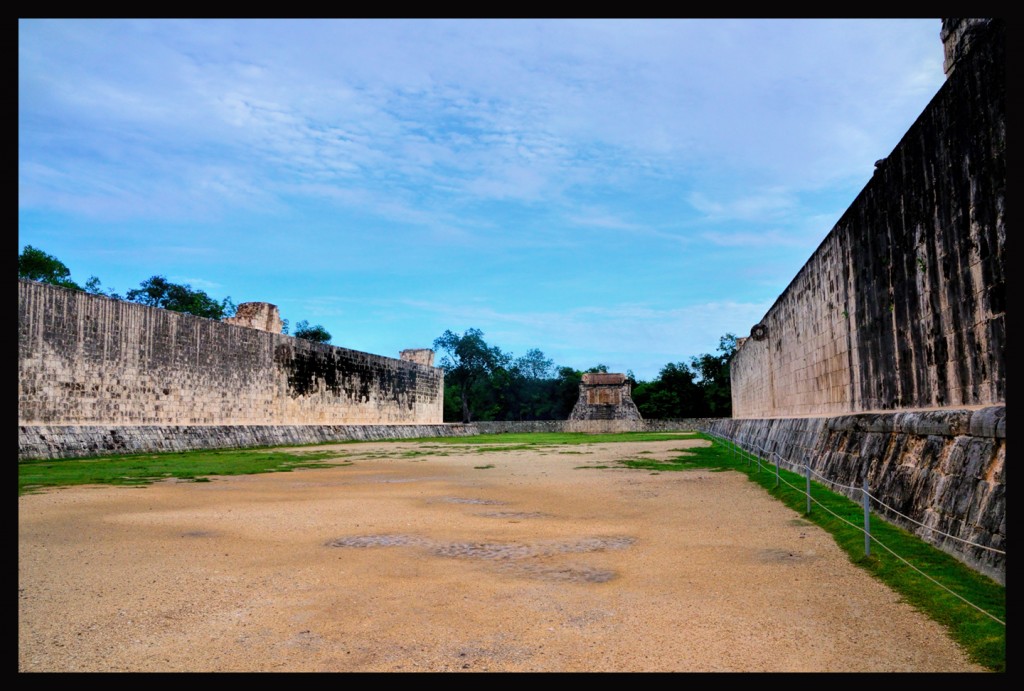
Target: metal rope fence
878,502
751,454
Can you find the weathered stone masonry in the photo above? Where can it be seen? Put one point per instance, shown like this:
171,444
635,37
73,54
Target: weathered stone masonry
944,469
88,360
604,396
902,309
903,305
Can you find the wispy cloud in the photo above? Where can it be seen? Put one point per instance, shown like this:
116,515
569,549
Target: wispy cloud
520,173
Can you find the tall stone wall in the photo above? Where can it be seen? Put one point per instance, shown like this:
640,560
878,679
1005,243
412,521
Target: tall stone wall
90,360
903,305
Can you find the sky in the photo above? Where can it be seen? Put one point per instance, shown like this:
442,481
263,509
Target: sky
609,191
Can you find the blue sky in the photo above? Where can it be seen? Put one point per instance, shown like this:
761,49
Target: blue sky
617,192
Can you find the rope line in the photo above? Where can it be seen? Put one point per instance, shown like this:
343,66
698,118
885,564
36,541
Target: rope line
837,484
937,583
934,530
874,539
792,466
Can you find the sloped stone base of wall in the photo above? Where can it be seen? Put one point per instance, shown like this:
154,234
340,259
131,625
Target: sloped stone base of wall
942,469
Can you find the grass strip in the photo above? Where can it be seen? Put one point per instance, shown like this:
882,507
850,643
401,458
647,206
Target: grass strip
983,638
144,469
529,439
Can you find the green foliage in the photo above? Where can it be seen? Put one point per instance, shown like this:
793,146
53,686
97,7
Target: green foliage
674,394
534,366
979,634
701,388
470,365
713,378
36,265
157,291
524,440
484,383
93,286
143,469
316,333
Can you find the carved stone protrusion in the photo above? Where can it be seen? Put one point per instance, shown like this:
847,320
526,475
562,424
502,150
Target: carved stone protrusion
957,36
423,356
257,315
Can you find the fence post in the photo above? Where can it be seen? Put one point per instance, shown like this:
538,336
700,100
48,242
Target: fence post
808,467
776,471
867,519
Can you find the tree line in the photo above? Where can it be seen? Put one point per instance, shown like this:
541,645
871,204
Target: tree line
482,382
156,291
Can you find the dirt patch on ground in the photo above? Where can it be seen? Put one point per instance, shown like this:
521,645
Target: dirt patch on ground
434,557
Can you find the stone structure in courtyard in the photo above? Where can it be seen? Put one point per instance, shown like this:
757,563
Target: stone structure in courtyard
604,396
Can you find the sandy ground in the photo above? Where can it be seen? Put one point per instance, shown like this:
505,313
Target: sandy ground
436,563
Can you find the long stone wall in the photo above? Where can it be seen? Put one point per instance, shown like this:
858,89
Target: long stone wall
903,305
41,442
90,360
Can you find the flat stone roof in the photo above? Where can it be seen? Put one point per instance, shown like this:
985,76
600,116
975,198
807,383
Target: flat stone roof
603,378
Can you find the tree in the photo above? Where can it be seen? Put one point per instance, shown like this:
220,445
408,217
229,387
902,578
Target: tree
530,388
36,265
157,291
567,391
674,394
534,365
92,286
467,361
316,333
714,377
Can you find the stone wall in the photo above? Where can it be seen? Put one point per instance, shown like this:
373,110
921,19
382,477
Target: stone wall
903,305
943,470
90,360
41,442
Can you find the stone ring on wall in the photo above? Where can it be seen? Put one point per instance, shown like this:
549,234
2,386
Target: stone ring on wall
759,332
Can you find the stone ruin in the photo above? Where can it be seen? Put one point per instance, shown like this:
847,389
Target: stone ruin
266,317
424,356
604,396
257,315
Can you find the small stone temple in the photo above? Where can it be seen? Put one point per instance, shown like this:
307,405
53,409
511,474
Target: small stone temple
604,396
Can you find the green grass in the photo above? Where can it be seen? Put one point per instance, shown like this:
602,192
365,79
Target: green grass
144,469
983,638
532,439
